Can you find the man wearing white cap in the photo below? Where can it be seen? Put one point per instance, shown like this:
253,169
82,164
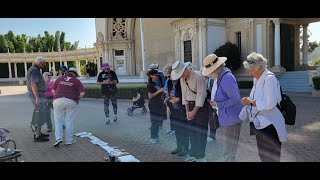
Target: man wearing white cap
193,89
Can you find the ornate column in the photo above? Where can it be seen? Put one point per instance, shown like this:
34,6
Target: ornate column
277,51
49,66
25,69
9,66
305,46
15,70
54,68
78,67
65,63
204,38
177,38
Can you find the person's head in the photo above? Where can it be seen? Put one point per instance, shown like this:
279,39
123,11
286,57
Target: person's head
40,62
167,71
47,77
180,70
63,68
255,64
213,65
153,75
73,71
105,67
153,66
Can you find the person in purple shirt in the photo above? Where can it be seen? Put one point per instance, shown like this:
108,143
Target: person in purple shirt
67,91
228,102
49,98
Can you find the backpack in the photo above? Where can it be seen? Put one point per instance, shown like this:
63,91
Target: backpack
287,108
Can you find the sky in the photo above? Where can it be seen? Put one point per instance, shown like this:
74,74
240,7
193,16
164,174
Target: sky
76,29
79,29
314,28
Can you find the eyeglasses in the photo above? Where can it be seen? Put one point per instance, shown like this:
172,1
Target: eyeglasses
250,62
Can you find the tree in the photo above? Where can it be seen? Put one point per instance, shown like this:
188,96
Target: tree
312,46
62,36
56,41
231,51
3,44
74,46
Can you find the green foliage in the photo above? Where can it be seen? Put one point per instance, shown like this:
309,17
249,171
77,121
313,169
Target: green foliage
231,51
3,44
245,84
46,43
123,92
316,82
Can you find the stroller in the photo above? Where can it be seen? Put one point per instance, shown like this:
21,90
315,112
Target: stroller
138,102
8,148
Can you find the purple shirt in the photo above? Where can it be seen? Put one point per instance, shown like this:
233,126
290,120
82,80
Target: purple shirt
48,92
69,87
228,99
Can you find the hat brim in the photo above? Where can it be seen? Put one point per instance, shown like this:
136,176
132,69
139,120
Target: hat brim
104,68
72,71
206,71
175,76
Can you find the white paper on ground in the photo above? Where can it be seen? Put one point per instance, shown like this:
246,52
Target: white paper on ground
128,158
80,133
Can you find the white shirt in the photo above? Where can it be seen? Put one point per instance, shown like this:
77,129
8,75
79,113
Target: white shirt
213,92
266,93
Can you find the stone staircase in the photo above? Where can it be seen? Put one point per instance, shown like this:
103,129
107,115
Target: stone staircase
295,81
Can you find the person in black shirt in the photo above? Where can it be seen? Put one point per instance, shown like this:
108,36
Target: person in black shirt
155,94
108,80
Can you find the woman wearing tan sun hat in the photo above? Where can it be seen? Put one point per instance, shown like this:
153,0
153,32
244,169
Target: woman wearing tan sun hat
227,100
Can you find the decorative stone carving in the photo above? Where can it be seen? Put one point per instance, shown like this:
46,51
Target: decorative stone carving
100,37
119,29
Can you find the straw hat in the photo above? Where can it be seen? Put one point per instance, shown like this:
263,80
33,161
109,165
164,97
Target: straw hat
178,69
211,63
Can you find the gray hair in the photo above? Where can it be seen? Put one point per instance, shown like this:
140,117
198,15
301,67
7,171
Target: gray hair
39,59
254,61
167,68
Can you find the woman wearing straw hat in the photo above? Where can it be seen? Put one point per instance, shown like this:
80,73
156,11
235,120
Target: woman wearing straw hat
228,102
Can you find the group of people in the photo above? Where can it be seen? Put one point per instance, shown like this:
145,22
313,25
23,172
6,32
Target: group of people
194,100
194,107
62,95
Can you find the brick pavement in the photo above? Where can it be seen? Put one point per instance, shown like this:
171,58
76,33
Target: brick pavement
132,134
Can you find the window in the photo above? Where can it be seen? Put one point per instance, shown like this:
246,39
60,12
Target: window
187,47
118,53
238,35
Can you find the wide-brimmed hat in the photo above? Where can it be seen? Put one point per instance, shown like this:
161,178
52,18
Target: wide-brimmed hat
105,66
211,63
178,69
136,98
72,69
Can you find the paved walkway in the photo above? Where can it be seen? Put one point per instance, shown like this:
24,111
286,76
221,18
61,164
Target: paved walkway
132,133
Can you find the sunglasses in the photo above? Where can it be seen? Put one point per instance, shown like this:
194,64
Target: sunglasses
250,62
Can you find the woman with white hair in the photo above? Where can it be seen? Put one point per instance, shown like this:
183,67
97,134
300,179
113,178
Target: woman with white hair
261,107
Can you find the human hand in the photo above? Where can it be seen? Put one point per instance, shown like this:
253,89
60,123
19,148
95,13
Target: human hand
191,115
37,102
246,100
213,103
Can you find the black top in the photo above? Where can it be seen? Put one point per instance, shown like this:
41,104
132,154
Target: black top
156,102
178,92
34,75
108,88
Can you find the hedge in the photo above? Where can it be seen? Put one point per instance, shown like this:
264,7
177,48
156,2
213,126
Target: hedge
316,82
123,92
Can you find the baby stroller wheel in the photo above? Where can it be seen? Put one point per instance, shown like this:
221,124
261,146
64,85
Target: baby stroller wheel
144,111
130,112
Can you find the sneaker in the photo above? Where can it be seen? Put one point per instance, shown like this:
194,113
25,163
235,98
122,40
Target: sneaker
176,151
115,118
200,160
40,139
210,139
108,121
153,141
44,135
57,142
190,159
49,130
73,141
169,131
